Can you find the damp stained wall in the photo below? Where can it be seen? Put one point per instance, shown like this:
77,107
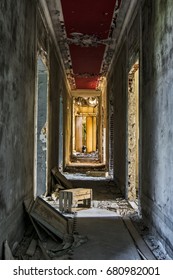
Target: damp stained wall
125,56
157,118
17,88
24,37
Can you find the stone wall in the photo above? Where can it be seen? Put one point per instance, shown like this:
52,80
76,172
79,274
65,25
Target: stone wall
17,89
24,37
125,57
157,116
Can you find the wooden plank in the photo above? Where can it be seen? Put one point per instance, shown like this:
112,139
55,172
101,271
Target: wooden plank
32,247
59,177
140,243
48,232
65,201
79,191
70,201
28,206
41,234
46,256
61,201
49,217
81,197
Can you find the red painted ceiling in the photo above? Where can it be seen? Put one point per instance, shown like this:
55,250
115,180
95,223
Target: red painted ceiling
92,18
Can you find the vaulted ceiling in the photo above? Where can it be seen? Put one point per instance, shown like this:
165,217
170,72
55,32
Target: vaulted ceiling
85,32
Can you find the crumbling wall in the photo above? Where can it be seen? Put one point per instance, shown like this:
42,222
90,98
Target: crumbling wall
157,116
125,56
17,89
133,133
24,38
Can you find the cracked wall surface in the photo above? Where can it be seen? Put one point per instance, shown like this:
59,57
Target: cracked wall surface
133,132
24,35
157,116
17,83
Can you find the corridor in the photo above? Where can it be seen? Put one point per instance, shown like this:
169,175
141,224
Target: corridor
86,109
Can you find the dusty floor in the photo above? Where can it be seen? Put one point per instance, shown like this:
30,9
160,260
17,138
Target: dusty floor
106,197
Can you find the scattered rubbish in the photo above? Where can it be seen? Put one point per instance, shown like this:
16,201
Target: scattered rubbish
53,235
139,242
55,195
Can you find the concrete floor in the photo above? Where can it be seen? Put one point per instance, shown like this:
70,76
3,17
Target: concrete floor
108,238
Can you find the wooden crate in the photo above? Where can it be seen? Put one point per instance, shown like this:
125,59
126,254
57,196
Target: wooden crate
73,198
49,217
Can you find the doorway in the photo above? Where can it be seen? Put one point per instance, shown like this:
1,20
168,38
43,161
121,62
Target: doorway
41,129
85,128
133,133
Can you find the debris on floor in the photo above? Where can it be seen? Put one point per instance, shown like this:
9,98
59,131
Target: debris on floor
47,216
118,205
50,234
142,248
153,243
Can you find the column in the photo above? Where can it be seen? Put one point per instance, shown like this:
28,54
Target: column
89,134
94,134
78,134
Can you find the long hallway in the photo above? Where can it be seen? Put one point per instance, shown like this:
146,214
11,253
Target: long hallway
86,92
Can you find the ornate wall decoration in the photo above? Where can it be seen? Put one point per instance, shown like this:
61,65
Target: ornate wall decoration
85,40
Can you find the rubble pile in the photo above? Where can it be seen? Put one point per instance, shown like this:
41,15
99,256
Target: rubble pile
119,205
50,235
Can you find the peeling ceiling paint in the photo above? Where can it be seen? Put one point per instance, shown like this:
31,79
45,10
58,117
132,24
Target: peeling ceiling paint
85,35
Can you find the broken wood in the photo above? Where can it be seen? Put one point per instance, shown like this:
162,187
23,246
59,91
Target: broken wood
32,247
70,199
48,232
49,217
41,234
139,242
46,256
61,178
7,251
